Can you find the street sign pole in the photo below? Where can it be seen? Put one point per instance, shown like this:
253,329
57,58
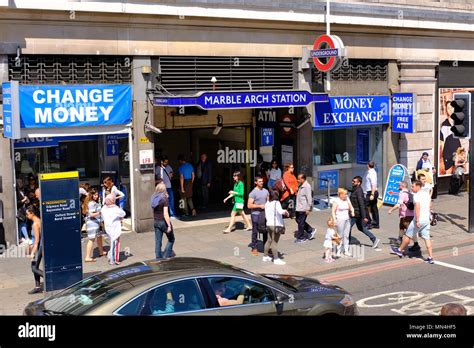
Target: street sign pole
471,176
328,32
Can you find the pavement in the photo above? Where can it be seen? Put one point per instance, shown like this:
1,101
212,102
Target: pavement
203,237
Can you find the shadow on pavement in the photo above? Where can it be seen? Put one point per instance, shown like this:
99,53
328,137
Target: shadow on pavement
450,218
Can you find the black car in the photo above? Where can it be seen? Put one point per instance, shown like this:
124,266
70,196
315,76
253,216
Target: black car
194,286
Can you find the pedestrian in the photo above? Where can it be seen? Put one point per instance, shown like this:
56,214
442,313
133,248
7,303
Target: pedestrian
424,165
372,192
275,228
360,218
204,179
291,188
21,204
109,187
82,197
113,216
165,172
428,189
238,195
420,225
37,251
30,188
162,221
451,309
331,239
304,206
342,211
186,181
406,211
273,174
261,170
425,185
91,209
256,202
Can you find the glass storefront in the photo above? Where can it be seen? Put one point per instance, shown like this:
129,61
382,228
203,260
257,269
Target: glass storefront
63,155
347,152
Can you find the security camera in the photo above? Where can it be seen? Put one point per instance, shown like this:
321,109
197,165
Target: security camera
151,128
307,119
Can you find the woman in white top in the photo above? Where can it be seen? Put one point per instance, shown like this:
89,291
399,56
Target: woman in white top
91,209
274,216
342,210
273,174
113,216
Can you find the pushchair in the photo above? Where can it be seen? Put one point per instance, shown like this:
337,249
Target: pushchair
433,218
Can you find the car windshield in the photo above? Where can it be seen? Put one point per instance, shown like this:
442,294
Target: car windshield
83,296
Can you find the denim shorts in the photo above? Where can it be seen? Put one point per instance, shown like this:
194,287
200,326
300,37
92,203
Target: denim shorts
423,231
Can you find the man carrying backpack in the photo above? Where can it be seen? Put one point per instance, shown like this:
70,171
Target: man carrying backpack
406,208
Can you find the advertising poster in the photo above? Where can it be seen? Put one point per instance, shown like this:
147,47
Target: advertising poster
452,151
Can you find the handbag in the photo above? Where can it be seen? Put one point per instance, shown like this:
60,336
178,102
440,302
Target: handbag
239,205
278,229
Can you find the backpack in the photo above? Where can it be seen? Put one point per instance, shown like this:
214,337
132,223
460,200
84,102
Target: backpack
262,223
410,204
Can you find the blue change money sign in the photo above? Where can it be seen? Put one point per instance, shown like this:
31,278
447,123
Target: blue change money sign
48,106
403,112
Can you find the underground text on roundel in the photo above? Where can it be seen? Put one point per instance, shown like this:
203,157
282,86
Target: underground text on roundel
84,105
37,331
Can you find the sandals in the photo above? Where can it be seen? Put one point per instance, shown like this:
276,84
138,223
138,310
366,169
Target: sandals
90,260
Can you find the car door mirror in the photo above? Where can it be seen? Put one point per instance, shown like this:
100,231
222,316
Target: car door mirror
279,302
280,298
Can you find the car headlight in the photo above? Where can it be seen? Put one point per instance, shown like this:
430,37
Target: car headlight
347,301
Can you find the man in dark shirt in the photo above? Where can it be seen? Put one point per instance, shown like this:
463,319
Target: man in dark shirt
361,214
204,176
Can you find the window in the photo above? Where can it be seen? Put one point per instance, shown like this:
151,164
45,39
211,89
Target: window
134,307
234,291
67,156
331,146
363,146
181,296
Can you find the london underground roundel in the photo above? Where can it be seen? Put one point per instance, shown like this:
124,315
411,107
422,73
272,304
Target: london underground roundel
327,53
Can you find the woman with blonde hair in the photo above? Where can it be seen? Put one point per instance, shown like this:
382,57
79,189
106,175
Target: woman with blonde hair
342,210
91,210
162,221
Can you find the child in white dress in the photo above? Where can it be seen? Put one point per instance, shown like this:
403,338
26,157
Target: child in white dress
332,238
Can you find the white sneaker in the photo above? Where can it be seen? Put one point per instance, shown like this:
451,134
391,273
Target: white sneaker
348,254
279,262
266,259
